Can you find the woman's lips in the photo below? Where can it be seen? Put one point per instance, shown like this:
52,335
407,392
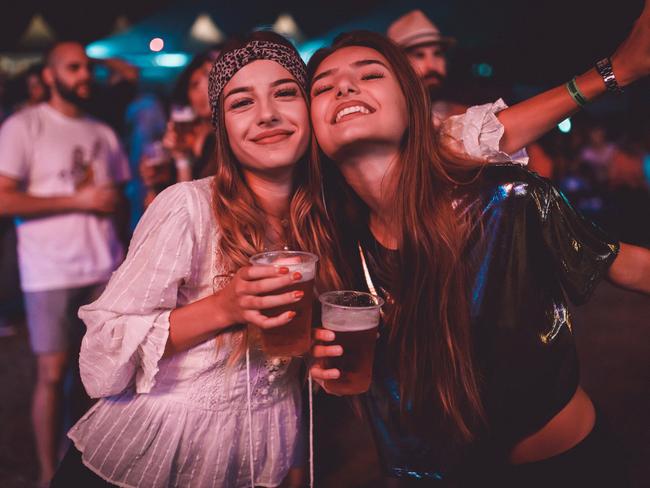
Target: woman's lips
272,136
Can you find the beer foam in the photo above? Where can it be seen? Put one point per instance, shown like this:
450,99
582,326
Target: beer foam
349,320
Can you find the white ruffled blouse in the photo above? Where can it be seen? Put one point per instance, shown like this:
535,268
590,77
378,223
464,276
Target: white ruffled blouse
182,421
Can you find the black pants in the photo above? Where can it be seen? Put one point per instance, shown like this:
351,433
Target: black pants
72,473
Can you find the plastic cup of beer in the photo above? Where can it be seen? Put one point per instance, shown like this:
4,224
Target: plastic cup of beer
354,317
294,338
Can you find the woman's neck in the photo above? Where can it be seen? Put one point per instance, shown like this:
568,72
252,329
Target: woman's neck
371,177
273,192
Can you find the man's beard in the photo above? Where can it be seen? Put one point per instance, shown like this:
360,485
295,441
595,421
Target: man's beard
69,94
435,90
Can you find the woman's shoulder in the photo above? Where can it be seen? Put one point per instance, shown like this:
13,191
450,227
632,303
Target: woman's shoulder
188,201
501,182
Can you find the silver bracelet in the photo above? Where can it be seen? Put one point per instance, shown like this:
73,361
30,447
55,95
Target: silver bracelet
604,68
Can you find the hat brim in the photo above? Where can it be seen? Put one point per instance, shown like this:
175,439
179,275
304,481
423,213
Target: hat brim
420,41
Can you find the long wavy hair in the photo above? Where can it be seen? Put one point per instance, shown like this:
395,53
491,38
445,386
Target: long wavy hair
429,324
242,220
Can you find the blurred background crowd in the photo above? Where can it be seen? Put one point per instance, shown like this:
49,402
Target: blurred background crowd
148,78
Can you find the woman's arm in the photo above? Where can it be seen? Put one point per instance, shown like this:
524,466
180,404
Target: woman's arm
239,302
525,122
631,269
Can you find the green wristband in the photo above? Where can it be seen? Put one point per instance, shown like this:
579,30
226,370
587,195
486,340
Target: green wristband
573,90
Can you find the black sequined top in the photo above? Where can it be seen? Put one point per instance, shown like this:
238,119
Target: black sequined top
536,252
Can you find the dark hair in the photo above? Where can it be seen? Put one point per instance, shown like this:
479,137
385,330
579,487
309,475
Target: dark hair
429,324
179,94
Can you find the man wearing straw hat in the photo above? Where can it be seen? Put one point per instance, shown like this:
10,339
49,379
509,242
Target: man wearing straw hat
426,48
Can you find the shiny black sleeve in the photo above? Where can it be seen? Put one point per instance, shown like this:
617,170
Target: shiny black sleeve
580,250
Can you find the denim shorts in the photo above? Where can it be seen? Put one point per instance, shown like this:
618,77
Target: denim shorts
52,316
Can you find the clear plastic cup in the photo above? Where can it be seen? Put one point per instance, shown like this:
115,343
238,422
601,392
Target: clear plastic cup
354,317
294,338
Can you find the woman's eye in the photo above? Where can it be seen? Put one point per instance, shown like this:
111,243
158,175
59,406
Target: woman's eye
287,92
320,89
372,76
240,103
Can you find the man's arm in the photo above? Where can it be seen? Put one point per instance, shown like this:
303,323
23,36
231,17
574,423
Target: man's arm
631,269
14,202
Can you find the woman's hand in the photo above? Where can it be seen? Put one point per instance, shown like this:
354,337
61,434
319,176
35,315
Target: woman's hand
631,61
173,142
239,302
248,293
319,353
154,173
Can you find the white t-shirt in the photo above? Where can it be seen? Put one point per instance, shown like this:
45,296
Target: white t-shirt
53,155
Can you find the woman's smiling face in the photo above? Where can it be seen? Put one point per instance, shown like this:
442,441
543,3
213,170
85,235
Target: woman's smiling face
266,117
356,101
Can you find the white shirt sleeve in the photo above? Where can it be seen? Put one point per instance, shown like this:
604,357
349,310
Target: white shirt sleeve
14,145
478,132
127,327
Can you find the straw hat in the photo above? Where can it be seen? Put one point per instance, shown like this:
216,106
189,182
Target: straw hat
415,29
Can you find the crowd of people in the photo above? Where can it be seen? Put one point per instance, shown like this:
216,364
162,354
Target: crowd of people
133,222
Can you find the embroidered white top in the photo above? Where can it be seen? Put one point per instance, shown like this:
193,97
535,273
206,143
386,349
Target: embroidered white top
182,420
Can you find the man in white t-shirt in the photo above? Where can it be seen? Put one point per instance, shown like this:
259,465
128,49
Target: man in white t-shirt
61,174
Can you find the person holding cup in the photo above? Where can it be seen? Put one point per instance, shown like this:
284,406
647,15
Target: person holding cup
187,396
475,379
188,141
167,349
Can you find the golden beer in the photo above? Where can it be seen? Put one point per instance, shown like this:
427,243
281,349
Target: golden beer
354,317
294,338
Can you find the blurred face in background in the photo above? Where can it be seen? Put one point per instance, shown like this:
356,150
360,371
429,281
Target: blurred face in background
197,91
68,73
430,64
36,90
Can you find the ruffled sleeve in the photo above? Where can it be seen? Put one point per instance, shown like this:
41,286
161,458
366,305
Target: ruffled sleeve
127,327
477,133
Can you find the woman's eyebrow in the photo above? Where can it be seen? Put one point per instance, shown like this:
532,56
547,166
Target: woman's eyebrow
356,64
366,62
238,90
283,81
323,74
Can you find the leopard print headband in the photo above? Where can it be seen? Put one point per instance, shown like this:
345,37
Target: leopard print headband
228,64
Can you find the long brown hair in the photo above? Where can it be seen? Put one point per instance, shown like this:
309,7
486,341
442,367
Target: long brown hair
429,323
241,219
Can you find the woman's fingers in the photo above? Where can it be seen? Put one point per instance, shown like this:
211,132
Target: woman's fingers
320,373
270,301
263,322
252,273
321,351
323,335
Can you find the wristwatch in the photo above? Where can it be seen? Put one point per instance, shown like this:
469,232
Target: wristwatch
604,68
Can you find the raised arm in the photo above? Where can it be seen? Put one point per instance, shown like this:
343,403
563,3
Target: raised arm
525,122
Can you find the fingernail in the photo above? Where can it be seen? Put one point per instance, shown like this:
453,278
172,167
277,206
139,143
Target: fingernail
283,270
338,349
334,375
296,276
292,314
298,294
